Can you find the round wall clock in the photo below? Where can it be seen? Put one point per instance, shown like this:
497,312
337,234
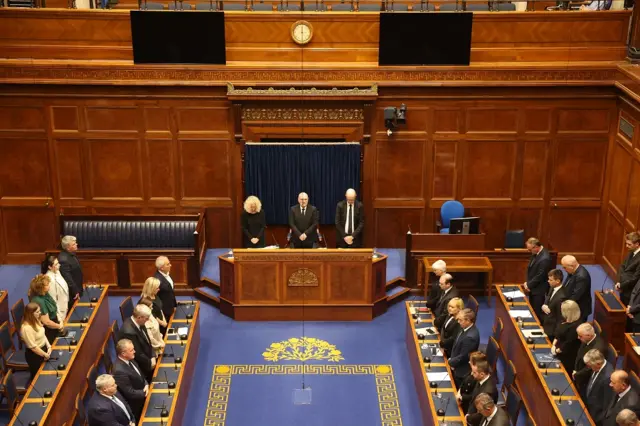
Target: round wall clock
301,32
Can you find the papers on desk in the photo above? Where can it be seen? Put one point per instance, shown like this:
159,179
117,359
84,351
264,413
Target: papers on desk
438,377
183,330
435,351
514,294
536,332
520,313
548,357
412,310
427,331
71,334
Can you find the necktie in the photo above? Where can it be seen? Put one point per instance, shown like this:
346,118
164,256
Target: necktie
135,368
485,422
349,223
593,379
458,338
531,260
303,210
122,407
144,331
616,399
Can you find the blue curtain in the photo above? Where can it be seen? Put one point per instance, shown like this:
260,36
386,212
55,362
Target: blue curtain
277,173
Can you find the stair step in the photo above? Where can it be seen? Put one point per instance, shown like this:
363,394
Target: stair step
210,283
395,282
395,294
208,294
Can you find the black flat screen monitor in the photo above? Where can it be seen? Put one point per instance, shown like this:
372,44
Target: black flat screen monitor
178,37
425,38
464,225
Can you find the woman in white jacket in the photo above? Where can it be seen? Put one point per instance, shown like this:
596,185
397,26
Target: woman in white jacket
58,289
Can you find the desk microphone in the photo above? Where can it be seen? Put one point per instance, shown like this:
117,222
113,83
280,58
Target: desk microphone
60,367
570,421
435,386
544,365
163,410
71,342
47,394
554,392
31,423
427,360
170,385
442,412
172,354
186,315
83,320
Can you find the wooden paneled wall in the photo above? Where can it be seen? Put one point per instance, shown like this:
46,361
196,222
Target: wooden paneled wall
519,158
528,159
112,151
621,212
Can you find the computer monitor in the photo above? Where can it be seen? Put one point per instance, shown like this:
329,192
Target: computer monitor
464,225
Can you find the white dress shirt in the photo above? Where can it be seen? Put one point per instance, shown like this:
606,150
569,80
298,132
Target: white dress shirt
167,277
346,222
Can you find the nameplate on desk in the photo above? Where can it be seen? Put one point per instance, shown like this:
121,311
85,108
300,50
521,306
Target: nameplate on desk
517,294
515,313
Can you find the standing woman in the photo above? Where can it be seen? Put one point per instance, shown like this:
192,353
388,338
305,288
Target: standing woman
37,346
253,223
150,291
39,294
451,328
58,289
566,344
153,327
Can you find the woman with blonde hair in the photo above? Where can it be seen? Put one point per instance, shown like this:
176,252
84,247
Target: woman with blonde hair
32,333
153,327
451,328
150,291
253,223
566,344
39,293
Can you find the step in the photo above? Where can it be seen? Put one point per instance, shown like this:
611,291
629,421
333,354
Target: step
208,282
208,294
395,282
397,293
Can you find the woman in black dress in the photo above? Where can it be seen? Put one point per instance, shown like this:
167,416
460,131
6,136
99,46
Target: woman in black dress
451,328
566,344
253,223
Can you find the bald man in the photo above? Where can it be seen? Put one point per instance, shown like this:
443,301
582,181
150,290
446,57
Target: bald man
303,221
624,397
577,285
349,221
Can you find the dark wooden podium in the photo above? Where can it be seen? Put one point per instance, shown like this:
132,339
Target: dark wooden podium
611,315
315,285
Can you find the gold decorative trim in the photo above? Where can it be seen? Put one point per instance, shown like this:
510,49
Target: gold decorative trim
302,349
388,401
294,92
295,114
303,277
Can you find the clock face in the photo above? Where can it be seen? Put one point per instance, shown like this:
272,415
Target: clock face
301,32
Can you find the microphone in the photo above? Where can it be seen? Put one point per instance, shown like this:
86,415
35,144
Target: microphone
187,316
172,354
408,226
554,392
163,410
170,385
435,386
31,423
570,421
273,237
61,366
72,342
544,365
48,394
442,412
82,321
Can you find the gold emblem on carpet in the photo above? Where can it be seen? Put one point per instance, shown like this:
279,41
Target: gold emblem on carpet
302,349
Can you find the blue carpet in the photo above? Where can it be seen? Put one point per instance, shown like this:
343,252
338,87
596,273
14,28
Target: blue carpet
335,399
211,266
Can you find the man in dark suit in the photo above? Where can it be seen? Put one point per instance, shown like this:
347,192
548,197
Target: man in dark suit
349,221
134,330
537,273
468,385
578,285
629,270
439,268
166,293
589,340
467,341
597,392
492,415
447,292
623,398
107,406
303,222
551,314
129,378
70,268
633,309
485,383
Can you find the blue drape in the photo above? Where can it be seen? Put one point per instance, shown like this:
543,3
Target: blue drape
277,173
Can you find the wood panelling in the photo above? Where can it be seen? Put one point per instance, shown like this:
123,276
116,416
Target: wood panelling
534,170
488,170
27,232
24,167
204,162
69,160
337,37
444,169
492,120
397,174
572,178
574,230
116,170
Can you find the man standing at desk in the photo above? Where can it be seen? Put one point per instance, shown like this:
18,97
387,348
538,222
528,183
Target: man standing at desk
537,275
629,271
303,221
578,285
349,221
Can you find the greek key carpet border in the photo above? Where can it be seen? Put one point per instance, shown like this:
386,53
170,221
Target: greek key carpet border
218,403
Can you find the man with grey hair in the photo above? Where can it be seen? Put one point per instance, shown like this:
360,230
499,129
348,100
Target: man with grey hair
439,268
303,223
166,293
134,330
588,340
597,392
129,377
627,417
577,284
107,406
447,292
492,415
70,268
349,221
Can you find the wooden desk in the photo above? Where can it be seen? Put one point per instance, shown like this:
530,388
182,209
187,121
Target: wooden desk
431,398
611,315
182,374
535,383
631,358
65,384
316,285
465,264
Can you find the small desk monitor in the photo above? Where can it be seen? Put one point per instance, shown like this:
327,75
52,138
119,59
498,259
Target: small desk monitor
464,225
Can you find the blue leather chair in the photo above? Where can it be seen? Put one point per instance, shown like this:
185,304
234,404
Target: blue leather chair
450,210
